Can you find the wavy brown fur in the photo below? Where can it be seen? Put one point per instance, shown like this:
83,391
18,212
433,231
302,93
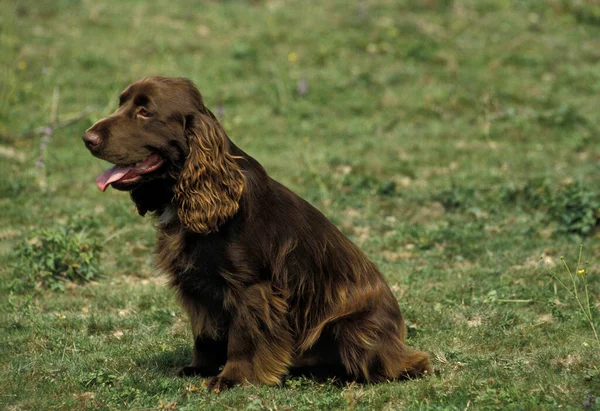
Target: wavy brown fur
270,285
210,184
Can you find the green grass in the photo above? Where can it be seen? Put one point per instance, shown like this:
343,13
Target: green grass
455,141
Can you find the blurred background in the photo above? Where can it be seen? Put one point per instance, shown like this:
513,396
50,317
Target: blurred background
454,141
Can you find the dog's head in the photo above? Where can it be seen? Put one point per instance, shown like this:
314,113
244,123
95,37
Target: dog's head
163,135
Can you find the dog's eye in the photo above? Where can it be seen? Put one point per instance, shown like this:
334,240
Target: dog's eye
142,112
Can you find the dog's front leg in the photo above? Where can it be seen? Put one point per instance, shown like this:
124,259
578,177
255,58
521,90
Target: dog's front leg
260,344
210,343
209,355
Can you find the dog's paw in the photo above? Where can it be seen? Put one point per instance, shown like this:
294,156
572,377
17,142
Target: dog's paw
219,384
191,371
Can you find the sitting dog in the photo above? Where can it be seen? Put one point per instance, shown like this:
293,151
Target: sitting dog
270,285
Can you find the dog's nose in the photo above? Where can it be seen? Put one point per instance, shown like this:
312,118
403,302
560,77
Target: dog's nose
91,139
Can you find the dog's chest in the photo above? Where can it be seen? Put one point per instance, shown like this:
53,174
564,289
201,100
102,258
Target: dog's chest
167,217
194,265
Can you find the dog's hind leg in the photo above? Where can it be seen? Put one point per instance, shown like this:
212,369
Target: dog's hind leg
372,349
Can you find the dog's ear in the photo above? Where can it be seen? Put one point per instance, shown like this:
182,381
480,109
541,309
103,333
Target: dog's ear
211,183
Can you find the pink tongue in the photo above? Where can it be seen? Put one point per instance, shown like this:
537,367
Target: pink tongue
110,176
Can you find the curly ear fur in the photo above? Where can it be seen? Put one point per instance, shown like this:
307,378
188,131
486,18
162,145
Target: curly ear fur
211,183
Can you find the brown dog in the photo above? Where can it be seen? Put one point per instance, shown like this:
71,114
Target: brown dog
270,285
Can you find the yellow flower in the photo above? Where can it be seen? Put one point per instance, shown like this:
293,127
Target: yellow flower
292,57
22,65
581,272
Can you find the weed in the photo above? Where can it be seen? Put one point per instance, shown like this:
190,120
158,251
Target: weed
576,209
531,195
456,197
52,256
563,116
587,12
102,378
576,284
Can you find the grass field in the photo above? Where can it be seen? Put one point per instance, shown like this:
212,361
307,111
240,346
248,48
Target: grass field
455,141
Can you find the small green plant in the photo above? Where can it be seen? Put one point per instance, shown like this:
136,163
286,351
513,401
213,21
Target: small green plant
101,378
577,286
531,195
563,116
456,197
576,210
584,12
50,257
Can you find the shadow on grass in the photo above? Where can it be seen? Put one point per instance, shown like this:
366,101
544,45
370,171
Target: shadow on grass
166,362
169,361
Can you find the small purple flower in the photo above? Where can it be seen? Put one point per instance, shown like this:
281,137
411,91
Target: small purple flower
220,109
591,400
360,10
302,86
44,141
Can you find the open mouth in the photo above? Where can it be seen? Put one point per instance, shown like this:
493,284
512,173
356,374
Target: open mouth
128,174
